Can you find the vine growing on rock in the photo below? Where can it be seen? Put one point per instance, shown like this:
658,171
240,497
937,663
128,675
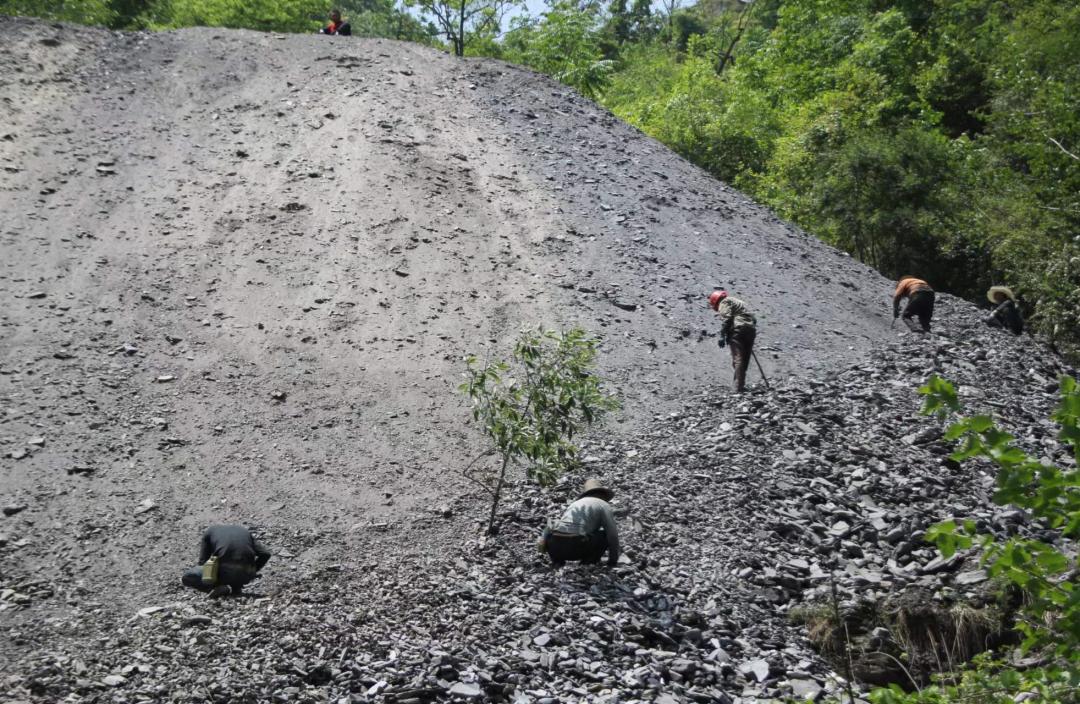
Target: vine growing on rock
1041,564
533,407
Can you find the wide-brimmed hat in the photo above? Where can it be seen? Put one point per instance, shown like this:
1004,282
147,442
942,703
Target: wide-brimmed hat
594,487
994,290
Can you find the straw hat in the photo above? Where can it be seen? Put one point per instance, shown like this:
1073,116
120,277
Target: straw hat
994,290
594,487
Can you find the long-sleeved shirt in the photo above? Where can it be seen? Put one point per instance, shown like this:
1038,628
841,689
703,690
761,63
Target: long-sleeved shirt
588,515
734,314
907,286
1007,315
233,544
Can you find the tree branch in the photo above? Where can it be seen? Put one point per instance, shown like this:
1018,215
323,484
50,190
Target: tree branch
1058,145
465,472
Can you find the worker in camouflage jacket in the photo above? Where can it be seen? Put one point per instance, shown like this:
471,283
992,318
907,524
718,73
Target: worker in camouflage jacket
738,329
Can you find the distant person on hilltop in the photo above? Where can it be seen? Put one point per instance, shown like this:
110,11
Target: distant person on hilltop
586,529
229,558
337,25
738,328
1006,313
920,303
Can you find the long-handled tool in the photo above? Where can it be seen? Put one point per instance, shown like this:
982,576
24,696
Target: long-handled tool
763,377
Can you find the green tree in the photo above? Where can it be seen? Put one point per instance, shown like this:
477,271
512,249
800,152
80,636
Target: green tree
460,21
533,407
263,15
99,12
618,23
566,45
643,26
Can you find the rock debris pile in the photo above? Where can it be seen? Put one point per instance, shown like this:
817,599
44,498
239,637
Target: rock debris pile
736,512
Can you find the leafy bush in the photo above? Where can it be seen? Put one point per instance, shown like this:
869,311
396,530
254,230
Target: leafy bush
532,407
1043,568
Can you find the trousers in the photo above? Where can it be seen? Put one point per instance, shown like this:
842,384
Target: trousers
920,305
236,576
741,341
576,548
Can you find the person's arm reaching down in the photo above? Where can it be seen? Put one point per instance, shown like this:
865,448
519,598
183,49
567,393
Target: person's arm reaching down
612,532
204,548
262,555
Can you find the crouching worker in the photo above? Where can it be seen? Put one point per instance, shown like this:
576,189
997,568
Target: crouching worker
229,558
586,530
1006,313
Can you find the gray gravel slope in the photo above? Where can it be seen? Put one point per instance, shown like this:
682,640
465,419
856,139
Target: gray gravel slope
241,270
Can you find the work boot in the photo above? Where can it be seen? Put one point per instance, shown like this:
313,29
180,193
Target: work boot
220,591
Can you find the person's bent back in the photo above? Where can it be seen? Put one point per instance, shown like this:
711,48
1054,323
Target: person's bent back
586,529
234,556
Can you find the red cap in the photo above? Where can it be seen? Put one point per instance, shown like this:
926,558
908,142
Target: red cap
715,297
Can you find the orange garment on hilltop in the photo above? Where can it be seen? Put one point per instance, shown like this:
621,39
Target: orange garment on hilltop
909,285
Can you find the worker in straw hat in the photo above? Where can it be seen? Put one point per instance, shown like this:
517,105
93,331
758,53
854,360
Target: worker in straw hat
1006,313
586,530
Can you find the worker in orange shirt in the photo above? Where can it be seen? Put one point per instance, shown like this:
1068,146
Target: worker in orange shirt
920,303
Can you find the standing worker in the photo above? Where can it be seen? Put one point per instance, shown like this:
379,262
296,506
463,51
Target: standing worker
586,530
920,303
738,328
1006,313
229,558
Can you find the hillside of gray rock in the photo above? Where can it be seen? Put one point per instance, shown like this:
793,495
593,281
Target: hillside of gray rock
241,271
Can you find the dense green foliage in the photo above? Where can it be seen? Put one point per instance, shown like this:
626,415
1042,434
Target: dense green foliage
1043,568
940,138
532,407
375,18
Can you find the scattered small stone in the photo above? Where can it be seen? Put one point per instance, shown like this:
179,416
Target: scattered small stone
146,505
466,690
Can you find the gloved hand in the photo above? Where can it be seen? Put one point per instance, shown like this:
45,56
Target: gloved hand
722,341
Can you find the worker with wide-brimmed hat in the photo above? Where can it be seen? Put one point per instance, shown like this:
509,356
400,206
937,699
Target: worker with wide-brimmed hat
586,529
738,329
920,303
1006,313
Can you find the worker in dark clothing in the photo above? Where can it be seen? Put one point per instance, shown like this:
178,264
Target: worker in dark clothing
229,558
738,328
337,26
586,530
920,303
1006,313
